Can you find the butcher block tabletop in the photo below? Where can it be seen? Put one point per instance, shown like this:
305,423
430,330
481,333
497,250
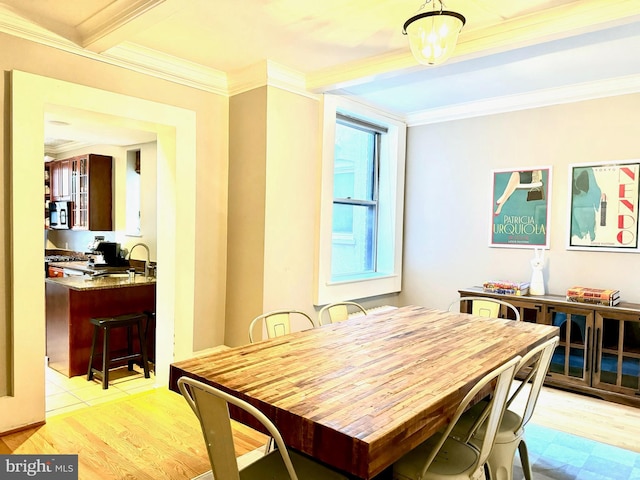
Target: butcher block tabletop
359,394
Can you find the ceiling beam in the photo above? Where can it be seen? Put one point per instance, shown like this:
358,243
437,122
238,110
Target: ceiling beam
121,20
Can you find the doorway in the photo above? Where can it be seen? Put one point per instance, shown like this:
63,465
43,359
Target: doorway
175,129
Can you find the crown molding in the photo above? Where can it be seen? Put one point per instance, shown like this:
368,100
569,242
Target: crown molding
160,65
66,147
563,21
268,73
542,98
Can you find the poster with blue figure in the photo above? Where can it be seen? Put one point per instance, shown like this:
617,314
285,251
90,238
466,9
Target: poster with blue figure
520,212
603,213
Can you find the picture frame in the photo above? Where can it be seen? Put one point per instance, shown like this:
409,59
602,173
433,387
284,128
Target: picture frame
521,199
603,206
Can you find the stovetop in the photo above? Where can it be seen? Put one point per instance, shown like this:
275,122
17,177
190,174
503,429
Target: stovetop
64,258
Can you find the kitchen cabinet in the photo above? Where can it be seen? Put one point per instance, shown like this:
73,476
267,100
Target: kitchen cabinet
599,349
60,178
91,192
86,181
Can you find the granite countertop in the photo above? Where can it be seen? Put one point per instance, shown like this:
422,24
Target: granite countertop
84,282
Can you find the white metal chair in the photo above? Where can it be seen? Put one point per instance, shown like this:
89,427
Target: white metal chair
211,406
510,435
277,323
338,312
485,307
445,457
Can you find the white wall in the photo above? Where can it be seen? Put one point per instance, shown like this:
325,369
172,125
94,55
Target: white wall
449,205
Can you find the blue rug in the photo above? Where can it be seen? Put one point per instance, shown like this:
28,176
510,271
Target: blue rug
556,455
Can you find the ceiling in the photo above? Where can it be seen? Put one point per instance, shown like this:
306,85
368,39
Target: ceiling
507,49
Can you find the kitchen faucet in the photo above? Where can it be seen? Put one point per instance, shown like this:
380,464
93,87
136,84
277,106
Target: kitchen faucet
146,265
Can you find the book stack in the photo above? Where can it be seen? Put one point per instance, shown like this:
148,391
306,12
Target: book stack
594,296
506,288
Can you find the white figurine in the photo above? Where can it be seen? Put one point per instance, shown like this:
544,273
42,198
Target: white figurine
536,286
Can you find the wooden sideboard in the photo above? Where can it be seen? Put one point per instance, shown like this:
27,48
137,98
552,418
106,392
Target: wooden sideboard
599,349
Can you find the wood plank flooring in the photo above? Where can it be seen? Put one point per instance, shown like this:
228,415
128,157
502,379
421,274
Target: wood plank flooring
151,435
154,435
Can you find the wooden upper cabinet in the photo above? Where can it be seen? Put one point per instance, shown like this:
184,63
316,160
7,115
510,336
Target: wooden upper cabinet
60,178
91,192
86,181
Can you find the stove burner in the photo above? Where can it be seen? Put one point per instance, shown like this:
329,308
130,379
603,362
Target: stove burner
63,258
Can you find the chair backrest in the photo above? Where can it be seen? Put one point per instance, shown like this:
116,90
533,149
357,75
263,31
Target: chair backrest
503,376
338,312
484,306
537,362
277,323
211,406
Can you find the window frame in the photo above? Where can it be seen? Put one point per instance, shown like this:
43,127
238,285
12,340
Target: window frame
392,153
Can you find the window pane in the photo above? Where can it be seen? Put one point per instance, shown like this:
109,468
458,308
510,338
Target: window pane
353,245
354,163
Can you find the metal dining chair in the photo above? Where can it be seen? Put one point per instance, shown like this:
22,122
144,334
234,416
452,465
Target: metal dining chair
211,406
485,307
510,436
338,312
277,323
446,457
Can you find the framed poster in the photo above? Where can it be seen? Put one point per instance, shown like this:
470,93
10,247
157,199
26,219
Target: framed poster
520,208
603,206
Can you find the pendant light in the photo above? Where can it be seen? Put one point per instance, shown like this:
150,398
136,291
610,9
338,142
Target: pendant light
433,35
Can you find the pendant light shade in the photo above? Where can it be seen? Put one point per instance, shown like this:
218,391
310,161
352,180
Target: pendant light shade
433,35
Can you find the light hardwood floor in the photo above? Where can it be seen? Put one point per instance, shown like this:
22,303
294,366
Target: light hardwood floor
149,435
154,434
593,418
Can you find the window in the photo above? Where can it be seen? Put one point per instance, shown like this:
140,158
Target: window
360,245
355,198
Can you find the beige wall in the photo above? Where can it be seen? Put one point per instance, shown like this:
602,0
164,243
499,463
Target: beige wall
293,183
274,182
211,112
247,186
273,200
448,197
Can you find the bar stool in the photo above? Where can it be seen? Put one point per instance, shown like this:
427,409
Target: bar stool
106,324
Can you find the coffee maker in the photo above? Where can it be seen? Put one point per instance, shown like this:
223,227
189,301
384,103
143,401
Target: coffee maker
106,254
110,253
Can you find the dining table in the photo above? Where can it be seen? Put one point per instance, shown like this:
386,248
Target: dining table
359,394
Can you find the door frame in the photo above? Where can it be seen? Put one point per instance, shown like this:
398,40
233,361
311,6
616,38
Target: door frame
175,128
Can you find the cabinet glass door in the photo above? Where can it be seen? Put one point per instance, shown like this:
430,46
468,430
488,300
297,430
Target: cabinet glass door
571,361
529,312
617,353
80,192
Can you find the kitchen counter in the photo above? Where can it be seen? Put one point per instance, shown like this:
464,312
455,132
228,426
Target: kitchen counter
72,301
83,282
